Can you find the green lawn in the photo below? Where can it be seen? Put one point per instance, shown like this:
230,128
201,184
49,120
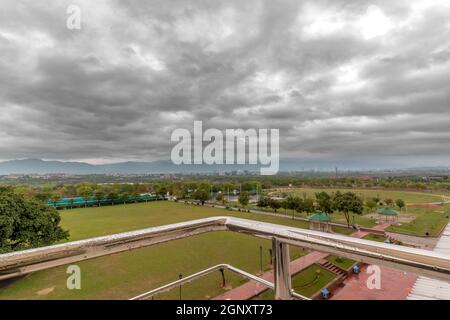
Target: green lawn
374,237
124,275
307,282
342,263
427,220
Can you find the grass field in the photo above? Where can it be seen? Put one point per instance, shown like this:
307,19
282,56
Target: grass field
124,275
407,196
127,274
427,220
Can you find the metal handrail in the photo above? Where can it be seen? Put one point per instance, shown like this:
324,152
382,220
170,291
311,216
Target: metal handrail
422,262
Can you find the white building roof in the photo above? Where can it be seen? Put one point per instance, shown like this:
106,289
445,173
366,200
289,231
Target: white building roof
430,289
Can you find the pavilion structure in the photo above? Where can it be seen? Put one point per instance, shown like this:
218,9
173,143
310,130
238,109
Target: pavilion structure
320,221
389,214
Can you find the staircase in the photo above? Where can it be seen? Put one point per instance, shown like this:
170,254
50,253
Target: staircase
332,268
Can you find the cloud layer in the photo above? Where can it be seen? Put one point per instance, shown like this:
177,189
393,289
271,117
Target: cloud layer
343,80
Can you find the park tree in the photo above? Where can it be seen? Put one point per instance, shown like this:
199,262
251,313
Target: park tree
371,205
324,202
274,204
201,195
389,201
113,196
85,191
400,203
99,194
27,223
244,198
263,202
308,205
347,203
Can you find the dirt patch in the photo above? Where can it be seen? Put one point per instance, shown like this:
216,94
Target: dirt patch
45,291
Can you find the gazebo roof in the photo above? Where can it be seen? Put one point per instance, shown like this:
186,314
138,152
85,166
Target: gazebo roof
319,216
387,211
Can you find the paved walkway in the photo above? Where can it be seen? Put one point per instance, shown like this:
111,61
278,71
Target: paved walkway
395,285
253,288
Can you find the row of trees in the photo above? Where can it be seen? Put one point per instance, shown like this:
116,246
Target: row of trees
348,203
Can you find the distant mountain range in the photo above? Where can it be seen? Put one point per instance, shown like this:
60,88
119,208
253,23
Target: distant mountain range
38,166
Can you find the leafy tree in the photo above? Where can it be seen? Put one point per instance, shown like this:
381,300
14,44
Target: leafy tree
347,203
244,198
99,195
201,195
308,205
274,204
27,223
371,204
113,196
324,202
389,201
85,191
400,203
263,202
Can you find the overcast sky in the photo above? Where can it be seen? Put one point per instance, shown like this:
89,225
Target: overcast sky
343,80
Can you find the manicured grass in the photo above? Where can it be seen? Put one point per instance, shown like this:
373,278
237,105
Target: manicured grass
342,263
427,220
374,237
312,279
124,275
407,196
307,282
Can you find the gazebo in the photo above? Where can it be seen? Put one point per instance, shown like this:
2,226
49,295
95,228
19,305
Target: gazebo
319,221
388,214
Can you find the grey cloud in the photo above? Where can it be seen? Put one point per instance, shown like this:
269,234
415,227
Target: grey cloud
138,69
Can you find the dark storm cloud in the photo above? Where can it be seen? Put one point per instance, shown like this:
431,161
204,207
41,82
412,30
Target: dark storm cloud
341,79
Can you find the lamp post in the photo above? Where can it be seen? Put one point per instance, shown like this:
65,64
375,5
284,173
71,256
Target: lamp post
180,277
260,258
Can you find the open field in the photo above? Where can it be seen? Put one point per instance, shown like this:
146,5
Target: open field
407,196
127,274
427,220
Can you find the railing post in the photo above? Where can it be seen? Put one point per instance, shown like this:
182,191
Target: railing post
282,272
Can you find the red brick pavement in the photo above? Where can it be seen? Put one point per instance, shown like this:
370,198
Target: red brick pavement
395,285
